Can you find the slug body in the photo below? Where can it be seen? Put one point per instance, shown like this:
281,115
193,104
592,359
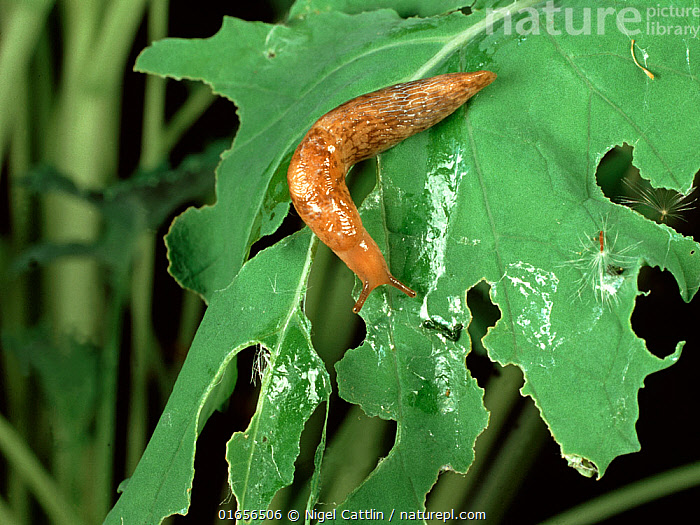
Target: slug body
355,131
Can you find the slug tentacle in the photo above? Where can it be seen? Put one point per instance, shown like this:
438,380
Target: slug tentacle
355,131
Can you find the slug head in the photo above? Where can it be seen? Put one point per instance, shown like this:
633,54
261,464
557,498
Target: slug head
367,261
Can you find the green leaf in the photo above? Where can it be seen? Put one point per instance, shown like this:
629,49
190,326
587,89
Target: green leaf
540,215
503,191
418,379
261,307
261,459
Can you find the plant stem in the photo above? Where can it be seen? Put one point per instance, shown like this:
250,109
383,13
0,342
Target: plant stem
106,410
16,307
630,496
84,145
340,477
81,144
198,101
116,36
513,462
19,36
152,151
143,340
143,343
6,515
25,463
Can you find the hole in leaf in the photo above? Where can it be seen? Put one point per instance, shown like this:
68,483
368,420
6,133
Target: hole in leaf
622,183
661,316
244,399
613,168
658,204
304,463
210,468
364,439
290,224
484,316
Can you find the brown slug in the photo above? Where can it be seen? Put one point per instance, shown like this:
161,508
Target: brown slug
355,131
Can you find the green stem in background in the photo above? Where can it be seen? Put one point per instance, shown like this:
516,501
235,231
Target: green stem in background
115,38
160,138
512,464
198,101
25,60
143,340
24,462
42,79
631,496
84,144
19,36
348,460
6,515
15,306
143,346
106,410
73,286
190,317
152,151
